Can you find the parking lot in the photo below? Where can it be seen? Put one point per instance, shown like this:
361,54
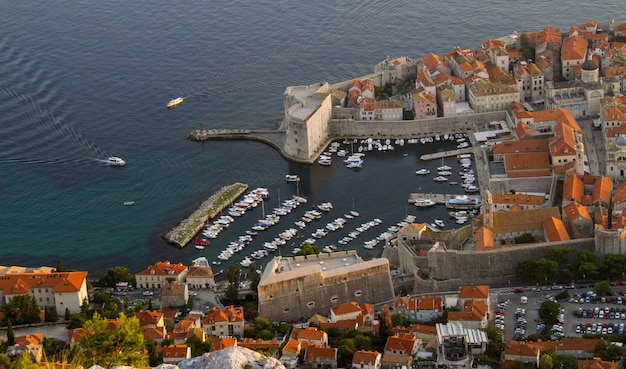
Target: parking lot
582,313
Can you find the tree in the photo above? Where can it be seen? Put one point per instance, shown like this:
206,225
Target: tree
122,345
10,334
607,351
549,312
60,267
116,274
5,362
67,314
559,255
22,309
565,362
614,266
545,361
385,329
399,320
602,288
308,249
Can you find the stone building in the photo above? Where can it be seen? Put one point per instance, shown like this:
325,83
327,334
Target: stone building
292,288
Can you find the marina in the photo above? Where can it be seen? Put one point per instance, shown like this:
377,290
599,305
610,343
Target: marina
437,198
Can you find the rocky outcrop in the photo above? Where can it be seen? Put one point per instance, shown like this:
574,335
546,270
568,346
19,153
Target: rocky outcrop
229,358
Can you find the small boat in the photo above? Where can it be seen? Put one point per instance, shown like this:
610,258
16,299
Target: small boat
175,102
444,173
440,223
200,242
424,203
129,203
200,247
440,179
422,172
291,178
216,262
444,167
116,161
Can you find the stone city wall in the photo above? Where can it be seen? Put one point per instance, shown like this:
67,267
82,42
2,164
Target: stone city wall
293,299
609,241
534,184
410,128
496,264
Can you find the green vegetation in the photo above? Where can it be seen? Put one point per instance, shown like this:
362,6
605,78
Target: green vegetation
556,266
122,345
308,249
114,275
525,238
21,309
549,312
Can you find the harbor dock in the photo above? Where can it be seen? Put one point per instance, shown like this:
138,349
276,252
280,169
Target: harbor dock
438,198
445,154
184,232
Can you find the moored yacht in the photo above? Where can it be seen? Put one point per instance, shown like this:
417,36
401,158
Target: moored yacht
175,102
422,172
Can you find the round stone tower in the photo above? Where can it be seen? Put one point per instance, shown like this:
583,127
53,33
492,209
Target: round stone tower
590,71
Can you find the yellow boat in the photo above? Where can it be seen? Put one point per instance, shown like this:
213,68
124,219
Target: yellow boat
174,103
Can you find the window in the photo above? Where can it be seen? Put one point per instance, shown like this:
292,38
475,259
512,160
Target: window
286,310
358,293
310,304
334,299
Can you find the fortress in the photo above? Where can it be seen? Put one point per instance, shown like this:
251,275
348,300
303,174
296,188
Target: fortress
297,287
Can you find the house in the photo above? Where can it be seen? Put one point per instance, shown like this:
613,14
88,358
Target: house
573,52
310,336
181,331
63,290
161,274
596,363
224,322
404,344
554,230
365,359
577,218
473,293
200,277
473,314
259,344
173,354
527,352
220,343
174,294
345,311
318,356
152,325
581,348
484,96
406,306
390,361
290,353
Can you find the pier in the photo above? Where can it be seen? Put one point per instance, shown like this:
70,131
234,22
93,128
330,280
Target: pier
184,232
439,198
445,154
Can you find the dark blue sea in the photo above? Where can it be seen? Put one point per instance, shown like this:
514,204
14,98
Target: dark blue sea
83,80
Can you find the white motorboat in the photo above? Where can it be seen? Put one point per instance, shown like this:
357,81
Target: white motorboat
444,167
444,173
291,178
440,179
424,203
422,172
129,203
440,223
116,161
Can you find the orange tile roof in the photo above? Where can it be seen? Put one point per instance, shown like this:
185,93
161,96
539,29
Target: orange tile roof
518,198
403,344
259,343
12,284
292,346
522,130
522,221
148,317
563,143
602,189
408,302
346,308
574,48
483,239
365,357
575,210
527,165
424,329
619,195
572,188
596,363
308,334
522,146
153,333
320,352
175,351
396,359
228,314
164,268
555,230
474,292
578,344
430,303
220,343
29,339
200,272
348,324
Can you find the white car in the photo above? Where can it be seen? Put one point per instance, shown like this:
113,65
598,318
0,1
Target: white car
148,293
193,293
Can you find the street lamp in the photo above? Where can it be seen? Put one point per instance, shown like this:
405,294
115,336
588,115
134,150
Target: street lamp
584,279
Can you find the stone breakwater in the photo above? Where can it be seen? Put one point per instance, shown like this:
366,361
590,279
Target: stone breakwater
184,231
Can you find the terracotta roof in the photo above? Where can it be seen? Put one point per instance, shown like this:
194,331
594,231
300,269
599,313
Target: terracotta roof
308,334
200,272
522,146
259,343
602,190
404,343
518,198
575,210
29,339
408,302
523,130
522,221
320,352
228,314
578,344
430,303
619,195
474,292
365,357
574,48
153,333
149,317
555,230
572,188
220,343
527,164
596,363
396,359
175,351
349,324
292,346
12,284
483,239
164,268
346,308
